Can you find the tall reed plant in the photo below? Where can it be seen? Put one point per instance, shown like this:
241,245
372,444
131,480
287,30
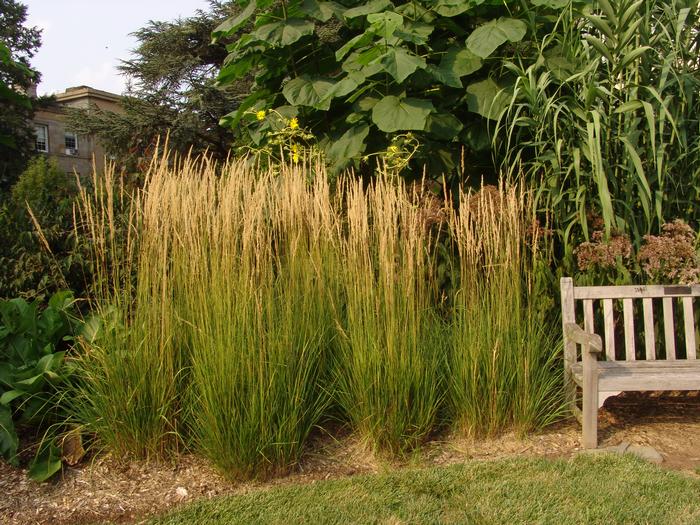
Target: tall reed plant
260,253
127,391
389,362
503,366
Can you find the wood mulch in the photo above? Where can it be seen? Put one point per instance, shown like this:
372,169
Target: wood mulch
109,490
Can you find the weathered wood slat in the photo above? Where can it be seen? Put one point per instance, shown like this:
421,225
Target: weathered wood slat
568,315
628,312
588,316
689,322
634,292
649,336
609,325
644,378
669,331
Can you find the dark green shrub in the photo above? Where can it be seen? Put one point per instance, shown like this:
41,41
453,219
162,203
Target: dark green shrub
36,262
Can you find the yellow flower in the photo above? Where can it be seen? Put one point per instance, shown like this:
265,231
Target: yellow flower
295,152
393,149
260,115
294,123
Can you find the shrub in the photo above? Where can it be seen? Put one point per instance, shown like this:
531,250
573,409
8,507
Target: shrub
39,253
33,373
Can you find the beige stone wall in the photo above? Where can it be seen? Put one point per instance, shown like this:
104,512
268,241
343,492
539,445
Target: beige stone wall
88,147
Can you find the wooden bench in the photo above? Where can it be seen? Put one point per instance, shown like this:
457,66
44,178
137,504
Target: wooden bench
632,359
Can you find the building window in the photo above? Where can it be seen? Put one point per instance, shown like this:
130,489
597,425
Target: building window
42,138
71,140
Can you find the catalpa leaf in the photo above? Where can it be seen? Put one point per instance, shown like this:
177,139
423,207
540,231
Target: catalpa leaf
321,11
486,98
485,39
394,114
349,146
451,8
444,126
284,32
374,6
233,24
308,91
399,63
456,62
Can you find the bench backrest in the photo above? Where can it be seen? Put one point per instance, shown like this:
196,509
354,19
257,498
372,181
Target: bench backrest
620,305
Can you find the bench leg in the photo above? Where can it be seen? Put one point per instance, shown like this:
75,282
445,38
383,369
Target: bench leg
590,401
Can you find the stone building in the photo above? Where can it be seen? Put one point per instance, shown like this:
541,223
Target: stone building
72,152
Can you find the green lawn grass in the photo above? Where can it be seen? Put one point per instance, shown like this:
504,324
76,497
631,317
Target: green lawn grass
583,490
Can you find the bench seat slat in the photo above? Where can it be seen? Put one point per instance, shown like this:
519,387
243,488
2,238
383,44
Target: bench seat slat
645,375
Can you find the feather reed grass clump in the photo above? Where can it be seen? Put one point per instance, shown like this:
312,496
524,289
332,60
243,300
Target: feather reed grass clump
131,370
256,288
389,363
239,308
503,370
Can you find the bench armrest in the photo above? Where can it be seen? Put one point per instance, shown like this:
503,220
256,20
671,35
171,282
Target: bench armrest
576,334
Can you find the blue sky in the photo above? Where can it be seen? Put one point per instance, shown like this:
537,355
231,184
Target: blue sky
83,40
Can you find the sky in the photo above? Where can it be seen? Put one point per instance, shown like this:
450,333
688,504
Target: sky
83,40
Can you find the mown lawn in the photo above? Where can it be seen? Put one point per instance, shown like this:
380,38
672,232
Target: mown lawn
583,490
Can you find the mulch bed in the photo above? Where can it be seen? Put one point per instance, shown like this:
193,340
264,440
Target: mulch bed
107,489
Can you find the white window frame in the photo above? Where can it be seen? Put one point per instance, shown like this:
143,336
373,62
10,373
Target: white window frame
75,138
45,129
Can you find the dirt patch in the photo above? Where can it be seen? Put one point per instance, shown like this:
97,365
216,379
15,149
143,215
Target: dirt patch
126,492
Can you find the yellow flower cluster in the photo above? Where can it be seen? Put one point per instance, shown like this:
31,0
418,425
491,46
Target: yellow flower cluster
294,123
260,115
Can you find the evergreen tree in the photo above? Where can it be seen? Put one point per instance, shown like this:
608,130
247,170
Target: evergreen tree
18,44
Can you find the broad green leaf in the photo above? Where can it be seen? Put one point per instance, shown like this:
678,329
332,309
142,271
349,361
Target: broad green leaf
393,113
486,98
384,23
308,91
374,6
346,85
356,41
399,63
455,63
233,24
46,463
233,119
321,11
350,145
451,8
62,300
414,32
236,68
485,39
9,396
366,103
284,33
8,437
415,12
443,125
